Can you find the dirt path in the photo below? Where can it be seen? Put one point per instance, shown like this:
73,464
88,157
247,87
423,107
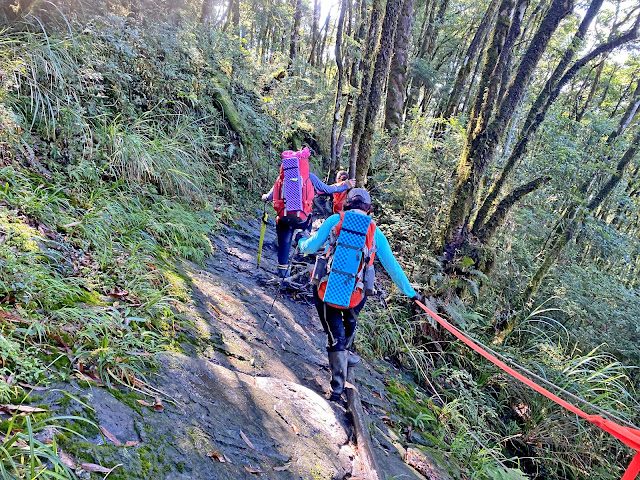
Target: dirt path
241,400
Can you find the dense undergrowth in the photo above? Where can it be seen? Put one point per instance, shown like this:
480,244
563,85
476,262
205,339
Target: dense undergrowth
124,142
119,155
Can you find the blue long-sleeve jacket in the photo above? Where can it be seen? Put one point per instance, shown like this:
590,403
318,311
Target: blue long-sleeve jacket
319,185
384,253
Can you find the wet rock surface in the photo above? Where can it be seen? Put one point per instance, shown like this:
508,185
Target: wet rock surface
247,396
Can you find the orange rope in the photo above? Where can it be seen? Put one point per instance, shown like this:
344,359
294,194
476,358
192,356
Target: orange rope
629,436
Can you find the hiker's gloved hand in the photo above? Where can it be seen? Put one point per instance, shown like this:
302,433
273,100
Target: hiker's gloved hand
265,197
300,236
351,183
417,298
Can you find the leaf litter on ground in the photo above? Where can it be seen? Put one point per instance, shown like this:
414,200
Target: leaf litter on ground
246,440
21,408
110,436
94,468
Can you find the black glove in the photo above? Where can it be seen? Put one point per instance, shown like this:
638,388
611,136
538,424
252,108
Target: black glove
299,236
417,298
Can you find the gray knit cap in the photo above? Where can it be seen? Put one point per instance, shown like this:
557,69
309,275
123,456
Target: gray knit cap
359,192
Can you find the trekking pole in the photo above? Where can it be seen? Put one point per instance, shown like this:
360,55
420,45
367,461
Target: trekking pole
295,252
263,228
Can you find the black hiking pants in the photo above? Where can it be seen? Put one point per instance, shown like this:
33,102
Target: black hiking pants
339,323
285,228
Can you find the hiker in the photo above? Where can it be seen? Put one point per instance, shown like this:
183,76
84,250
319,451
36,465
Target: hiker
292,196
340,198
339,321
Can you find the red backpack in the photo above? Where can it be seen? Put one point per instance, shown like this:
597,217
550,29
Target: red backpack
366,273
293,191
339,199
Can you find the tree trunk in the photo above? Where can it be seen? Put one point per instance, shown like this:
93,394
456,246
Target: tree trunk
467,179
353,81
427,45
365,83
628,115
206,13
380,74
468,98
320,50
264,39
295,33
314,32
397,82
614,112
482,142
500,214
451,106
488,99
592,91
333,165
13,10
605,92
545,99
233,15
514,34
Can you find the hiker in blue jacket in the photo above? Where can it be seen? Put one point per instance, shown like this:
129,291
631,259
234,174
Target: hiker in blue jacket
340,323
285,227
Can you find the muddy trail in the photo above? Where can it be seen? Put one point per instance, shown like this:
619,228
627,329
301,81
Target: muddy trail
246,395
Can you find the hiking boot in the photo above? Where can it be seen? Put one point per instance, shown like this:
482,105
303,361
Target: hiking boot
353,359
338,366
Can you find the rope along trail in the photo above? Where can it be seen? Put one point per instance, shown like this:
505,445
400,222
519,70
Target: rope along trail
630,436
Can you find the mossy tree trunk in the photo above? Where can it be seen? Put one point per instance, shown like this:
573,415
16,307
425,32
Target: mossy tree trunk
295,33
315,34
334,164
508,49
235,120
450,107
380,74
483,136
365,84
561,76
466,177
206,13
396,85
486,233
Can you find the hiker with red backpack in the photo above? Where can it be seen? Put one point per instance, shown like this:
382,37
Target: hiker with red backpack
343,277
340,198
292,196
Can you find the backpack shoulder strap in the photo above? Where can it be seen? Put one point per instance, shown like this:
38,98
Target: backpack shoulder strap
333,236
370,243
304,167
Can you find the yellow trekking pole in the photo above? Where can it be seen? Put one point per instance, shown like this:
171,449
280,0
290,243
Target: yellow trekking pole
263,228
